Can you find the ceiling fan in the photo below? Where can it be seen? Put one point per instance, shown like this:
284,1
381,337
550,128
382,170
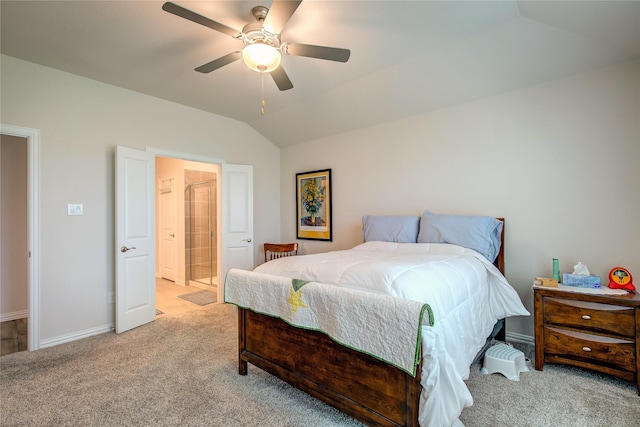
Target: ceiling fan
262,44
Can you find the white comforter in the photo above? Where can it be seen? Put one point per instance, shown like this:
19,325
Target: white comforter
467,295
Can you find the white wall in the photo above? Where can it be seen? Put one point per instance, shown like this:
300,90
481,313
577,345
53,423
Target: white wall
560,161
554,159
81,121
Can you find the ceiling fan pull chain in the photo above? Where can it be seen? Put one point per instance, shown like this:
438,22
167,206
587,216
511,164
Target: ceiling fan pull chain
262,106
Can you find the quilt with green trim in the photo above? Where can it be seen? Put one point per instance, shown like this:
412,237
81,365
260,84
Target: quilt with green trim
382,326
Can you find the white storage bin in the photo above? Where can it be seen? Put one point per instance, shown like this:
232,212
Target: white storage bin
504,359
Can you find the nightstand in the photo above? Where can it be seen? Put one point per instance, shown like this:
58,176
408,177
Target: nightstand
598,332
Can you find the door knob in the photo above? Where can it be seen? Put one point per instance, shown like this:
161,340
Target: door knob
125,249
247,240
172,235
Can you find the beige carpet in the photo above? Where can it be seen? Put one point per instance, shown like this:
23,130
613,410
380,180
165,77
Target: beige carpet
558,396
182,371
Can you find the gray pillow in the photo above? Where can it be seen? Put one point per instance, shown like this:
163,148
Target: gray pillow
480,233
398,229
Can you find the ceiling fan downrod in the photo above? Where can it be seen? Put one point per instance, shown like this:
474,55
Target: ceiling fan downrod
260,13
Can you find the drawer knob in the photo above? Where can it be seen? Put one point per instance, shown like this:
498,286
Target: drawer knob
586,317
586,349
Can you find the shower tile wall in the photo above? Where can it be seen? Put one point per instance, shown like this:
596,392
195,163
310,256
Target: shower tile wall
201,227
197,222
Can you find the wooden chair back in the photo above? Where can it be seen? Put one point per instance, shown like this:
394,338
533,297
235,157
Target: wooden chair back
279,250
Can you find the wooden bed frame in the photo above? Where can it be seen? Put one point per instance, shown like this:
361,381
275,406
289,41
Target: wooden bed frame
359,385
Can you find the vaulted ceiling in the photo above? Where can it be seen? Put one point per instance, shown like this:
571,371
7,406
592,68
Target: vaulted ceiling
407,57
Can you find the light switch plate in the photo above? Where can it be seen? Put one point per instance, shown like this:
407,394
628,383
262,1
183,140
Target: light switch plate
75,209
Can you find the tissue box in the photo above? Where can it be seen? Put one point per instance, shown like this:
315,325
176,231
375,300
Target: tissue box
581,281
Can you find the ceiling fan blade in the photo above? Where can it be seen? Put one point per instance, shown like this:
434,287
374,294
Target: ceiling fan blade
220,62
199,19
320,52
281,79
279,14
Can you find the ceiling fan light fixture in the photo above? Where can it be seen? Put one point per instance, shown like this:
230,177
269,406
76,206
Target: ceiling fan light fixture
261,57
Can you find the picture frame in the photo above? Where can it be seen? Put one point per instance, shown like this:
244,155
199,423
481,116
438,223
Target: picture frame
313,205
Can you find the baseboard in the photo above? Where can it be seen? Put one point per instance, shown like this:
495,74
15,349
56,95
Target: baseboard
177,281
75,336
14,315
524,339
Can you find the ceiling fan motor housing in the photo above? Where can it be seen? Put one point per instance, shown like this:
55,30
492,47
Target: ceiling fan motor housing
256,33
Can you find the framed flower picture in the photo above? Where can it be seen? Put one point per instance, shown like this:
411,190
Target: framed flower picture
313,205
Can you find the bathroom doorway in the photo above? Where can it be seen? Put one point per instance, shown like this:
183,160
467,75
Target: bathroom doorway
188,240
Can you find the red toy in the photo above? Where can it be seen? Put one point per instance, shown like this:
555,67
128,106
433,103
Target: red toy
620,278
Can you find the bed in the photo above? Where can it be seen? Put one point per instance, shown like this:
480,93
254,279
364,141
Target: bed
445,269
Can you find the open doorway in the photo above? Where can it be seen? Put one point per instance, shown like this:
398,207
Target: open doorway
32,137
188,241
14,248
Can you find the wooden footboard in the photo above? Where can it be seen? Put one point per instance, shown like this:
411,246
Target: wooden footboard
366,388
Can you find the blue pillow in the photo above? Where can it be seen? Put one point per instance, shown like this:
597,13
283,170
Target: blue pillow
480,233
398,229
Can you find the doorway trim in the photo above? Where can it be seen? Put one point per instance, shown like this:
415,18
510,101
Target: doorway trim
33,227
184,156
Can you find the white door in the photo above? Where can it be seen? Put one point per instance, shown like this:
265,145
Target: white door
167,210
237,219
135,238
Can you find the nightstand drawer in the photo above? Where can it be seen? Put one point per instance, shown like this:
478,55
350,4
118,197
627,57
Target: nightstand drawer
591,316
613,352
